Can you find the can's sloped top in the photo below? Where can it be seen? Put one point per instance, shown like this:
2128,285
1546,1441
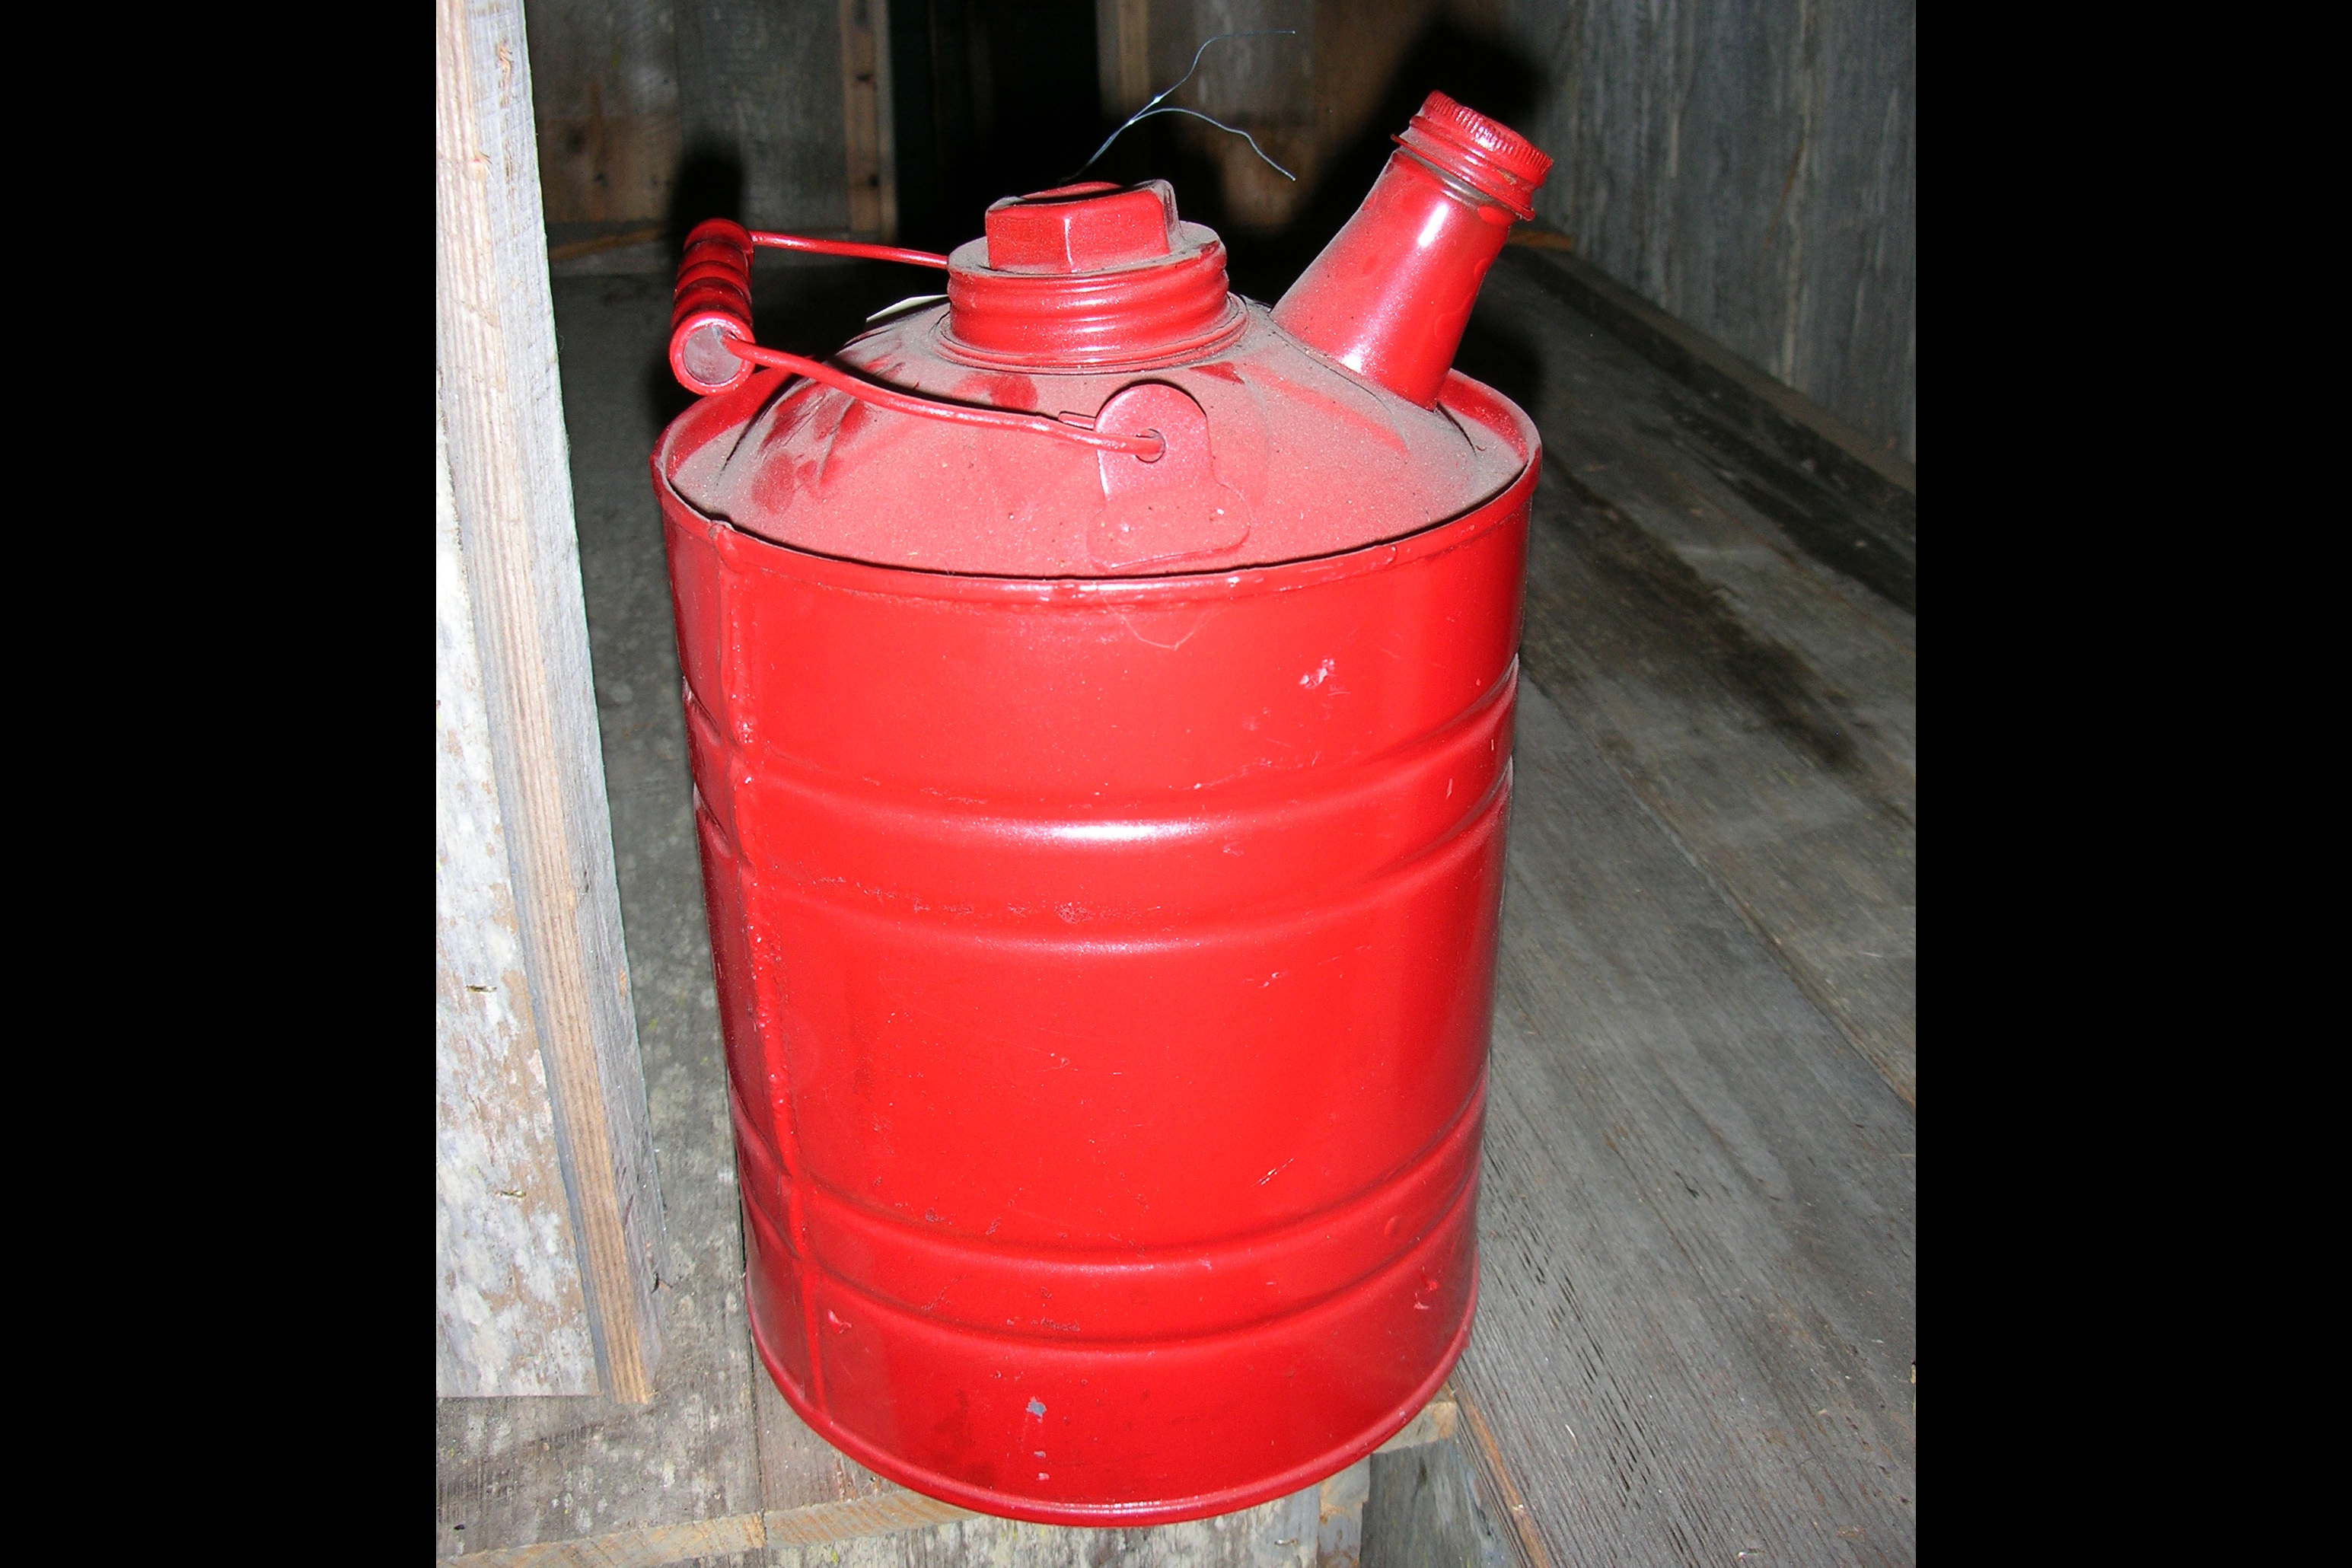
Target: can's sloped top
1274,454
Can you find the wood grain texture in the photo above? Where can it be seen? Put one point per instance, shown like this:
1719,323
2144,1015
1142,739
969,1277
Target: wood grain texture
1753,170
1305,97
1496,1492
738,1538
1265,86
511,1313
1804,434
865,38
1697,1290
799,1470
1738,639
759,91
1424,1510
1123,56
604,97
1278,1534
518,1472
495,344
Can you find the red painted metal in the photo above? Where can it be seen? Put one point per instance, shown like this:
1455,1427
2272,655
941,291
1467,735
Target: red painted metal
1390,294
711,309
1082,228
711,316
1096,282
711,348
763,240
1104,954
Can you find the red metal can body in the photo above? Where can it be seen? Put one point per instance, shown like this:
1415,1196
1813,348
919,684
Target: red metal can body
1105,965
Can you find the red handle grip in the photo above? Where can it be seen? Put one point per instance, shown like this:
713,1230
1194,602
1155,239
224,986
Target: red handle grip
712,307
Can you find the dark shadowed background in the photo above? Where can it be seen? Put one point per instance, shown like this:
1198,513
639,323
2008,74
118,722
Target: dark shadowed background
1750,169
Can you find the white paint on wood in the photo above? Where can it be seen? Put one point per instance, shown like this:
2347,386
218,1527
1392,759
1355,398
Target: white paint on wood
512,1314
508,469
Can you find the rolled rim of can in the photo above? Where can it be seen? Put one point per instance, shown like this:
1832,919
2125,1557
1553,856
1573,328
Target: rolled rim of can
1481,153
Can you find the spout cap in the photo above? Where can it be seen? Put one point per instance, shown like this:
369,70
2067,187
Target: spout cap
1489,157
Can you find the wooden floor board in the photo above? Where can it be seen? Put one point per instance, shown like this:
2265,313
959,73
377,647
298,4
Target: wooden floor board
797,1467
1697,1294
1754,693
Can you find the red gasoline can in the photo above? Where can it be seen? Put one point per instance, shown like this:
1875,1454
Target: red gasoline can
1099,694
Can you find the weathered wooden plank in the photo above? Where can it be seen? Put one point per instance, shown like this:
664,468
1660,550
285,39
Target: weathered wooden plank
499,389
907,1530
736,1539
1423,1510
511,1313
1263,85
1697,1290
518,1472
885,1512
865,89
759,98
799,1470
1747,672
604,95
1751,170
1304,97
1495,1490
1279,1534
870,1507
1802,433
1123,56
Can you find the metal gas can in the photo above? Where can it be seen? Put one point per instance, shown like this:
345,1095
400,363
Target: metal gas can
1099,694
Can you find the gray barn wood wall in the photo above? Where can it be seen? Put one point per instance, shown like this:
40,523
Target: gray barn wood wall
760,89
1750,168
604,97
737,100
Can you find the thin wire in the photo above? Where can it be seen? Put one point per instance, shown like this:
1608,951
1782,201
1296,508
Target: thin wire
1178,109
767,241
1154,106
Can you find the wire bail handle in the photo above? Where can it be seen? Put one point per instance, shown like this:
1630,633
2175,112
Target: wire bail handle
712,348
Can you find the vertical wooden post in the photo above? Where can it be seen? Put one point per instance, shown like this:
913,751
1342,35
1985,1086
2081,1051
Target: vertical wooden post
513,1314
865,113
1123,56
510,484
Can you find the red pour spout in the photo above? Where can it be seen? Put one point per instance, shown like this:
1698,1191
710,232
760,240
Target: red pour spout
1390,295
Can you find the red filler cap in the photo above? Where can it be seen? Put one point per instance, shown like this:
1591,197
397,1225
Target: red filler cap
1082,228
1090,277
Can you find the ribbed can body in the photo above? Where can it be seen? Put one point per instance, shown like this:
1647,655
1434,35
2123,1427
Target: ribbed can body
1105,968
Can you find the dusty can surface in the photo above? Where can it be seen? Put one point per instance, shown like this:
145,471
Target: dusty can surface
1102,852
